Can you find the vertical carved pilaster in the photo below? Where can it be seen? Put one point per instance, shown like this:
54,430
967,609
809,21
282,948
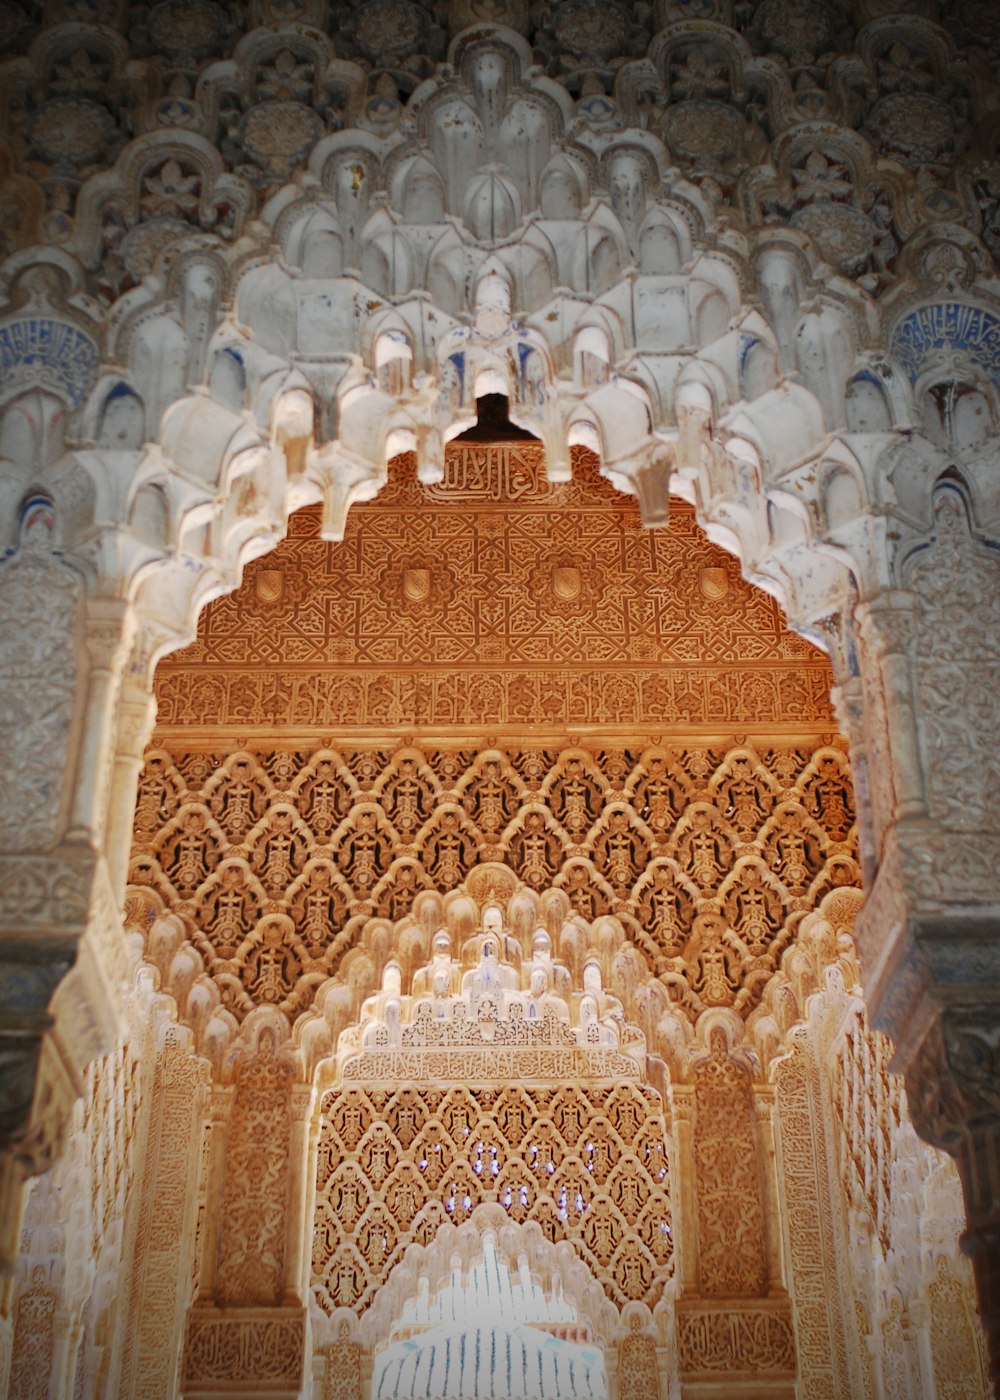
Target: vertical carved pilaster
220,1109
736,1275
731,1224
249,1323
253,1236
162,1266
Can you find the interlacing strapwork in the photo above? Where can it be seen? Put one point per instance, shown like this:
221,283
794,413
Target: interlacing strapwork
709,859
588,1163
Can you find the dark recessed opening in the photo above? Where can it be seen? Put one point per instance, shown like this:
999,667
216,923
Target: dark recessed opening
493,423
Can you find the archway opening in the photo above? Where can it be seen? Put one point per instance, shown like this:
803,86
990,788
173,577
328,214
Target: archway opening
489,1330
670,797
502,671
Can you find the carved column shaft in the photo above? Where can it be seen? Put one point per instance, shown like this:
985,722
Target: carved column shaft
301,1172
136,712
686,1219
887,628
953,1088
220,1112
109,625
764,1097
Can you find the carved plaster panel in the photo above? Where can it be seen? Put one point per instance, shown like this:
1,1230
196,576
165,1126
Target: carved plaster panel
588,1162
496,597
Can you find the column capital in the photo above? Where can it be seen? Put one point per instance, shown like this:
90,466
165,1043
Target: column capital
889,621
953,1080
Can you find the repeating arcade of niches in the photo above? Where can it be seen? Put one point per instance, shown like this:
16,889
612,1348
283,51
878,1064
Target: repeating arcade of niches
580,206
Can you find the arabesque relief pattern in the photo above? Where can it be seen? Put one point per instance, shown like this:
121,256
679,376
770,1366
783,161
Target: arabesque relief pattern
710,859
868,1105
497,597
830,1360
251,1263
727,1177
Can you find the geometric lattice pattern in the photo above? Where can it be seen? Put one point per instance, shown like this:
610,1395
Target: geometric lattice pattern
587,1162
709,859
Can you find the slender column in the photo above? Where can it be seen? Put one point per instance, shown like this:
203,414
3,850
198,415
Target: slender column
953,1090
220,1110
301,1167
108,630
136,712
682,1180
920,1329
888,628
764,1097
65,1335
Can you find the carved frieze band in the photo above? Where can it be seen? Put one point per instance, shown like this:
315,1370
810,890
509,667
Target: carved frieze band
252,1345
758,1339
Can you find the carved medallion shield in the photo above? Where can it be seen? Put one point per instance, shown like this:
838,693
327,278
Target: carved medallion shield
269,585
713,582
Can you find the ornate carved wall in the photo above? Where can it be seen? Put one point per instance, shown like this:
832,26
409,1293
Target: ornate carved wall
747,255
649,897
905,1322
588,1164
525,1111
106,1268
